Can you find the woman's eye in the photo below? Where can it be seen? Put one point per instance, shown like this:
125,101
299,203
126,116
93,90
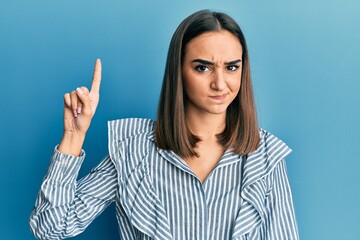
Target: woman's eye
232,68
202,68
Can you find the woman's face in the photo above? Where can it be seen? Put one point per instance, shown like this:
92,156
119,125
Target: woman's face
211,72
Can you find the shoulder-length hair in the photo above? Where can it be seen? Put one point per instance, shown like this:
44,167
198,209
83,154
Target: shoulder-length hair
241,133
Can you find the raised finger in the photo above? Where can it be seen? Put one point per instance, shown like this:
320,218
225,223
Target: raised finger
95,86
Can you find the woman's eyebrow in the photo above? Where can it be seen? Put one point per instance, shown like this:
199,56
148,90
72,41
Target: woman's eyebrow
233,62
202,61
206,62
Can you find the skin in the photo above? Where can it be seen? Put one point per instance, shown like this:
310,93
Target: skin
212,77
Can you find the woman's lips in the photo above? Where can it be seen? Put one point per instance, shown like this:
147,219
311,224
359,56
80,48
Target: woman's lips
219,97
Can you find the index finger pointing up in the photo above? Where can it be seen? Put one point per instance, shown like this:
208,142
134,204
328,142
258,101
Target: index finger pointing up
95,86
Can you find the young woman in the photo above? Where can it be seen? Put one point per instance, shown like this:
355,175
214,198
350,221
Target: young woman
203,170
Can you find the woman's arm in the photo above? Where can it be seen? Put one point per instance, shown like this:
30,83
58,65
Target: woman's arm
65,207
279,218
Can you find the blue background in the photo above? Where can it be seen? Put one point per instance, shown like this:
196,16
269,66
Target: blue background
305,58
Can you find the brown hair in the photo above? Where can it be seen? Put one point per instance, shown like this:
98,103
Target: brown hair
241,133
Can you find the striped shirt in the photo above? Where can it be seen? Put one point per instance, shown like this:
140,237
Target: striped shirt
158,196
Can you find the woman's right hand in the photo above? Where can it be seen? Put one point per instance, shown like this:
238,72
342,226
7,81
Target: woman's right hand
79,108
80,105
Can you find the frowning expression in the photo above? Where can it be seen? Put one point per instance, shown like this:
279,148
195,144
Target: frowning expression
211,72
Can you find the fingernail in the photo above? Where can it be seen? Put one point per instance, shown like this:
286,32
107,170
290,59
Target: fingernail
75,113
79,109
79,91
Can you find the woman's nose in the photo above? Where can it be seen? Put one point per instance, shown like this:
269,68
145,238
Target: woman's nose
218,83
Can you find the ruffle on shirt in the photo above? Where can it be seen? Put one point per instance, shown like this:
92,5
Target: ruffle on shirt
257,166
129,145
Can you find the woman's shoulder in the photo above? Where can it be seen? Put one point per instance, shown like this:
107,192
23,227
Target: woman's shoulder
122,129
265,158
270,143
270,146
129,141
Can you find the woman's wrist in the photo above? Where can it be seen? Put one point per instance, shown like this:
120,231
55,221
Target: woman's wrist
71,143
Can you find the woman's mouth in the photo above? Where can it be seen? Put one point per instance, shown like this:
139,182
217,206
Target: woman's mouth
219,97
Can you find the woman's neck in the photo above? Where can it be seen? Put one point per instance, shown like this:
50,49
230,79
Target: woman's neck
206,126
